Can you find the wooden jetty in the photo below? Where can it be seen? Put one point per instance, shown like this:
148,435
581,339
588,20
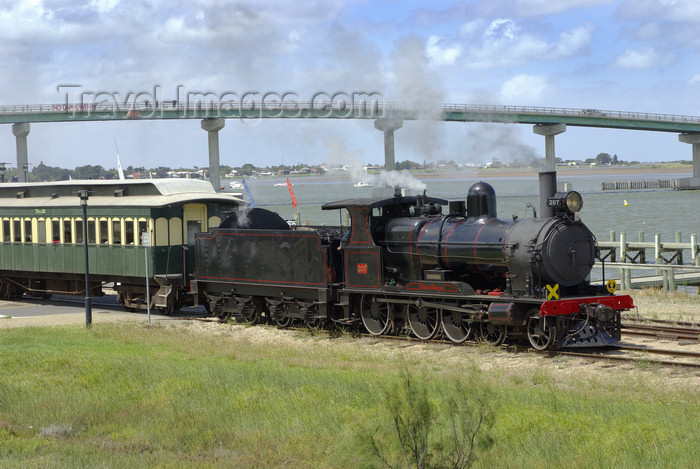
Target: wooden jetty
641,185
630,260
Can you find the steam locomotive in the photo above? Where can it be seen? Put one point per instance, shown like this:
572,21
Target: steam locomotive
404,266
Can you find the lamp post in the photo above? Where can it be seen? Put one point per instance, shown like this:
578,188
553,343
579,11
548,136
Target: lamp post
88,301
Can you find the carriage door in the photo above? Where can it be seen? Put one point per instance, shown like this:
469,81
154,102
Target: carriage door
194,220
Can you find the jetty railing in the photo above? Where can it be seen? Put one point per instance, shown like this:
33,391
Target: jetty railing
639,185
664,257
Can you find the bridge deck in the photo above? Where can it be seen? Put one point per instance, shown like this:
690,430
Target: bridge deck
362,110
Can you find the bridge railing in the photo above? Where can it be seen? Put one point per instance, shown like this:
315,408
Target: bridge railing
427,111
559,111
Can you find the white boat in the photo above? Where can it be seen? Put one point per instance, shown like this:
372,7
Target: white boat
280,184
362,184
235,185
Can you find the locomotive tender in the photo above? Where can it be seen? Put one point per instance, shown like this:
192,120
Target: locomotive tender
405,266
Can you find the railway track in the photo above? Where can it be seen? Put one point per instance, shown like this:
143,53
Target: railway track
661,328
637,319
606,353
618,353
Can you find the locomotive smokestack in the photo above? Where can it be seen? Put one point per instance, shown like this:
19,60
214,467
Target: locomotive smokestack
548,187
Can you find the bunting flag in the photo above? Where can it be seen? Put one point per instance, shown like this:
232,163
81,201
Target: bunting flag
291,192
250,196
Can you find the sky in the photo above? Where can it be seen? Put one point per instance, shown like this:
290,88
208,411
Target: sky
636,55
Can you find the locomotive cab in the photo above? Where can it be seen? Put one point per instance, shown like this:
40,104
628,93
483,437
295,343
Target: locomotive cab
366,264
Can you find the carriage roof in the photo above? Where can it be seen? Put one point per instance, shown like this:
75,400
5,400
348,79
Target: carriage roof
111,193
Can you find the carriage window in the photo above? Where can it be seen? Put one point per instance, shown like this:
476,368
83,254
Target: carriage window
27,222
42,231
78,231
17,225
104,232
129,231
143,228
92,236
6,231
116,232
56,231
67,231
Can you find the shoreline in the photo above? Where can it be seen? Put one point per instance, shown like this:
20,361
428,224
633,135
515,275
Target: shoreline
606,172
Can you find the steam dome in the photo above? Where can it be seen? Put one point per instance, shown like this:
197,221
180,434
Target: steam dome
481,200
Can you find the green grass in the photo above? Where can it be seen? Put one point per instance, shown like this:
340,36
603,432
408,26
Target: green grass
126,395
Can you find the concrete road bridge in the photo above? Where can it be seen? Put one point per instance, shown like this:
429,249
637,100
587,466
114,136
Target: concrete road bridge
387,117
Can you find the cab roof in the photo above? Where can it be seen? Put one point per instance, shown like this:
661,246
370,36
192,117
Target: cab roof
383,202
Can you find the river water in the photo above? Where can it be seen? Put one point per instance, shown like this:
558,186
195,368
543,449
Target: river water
653,211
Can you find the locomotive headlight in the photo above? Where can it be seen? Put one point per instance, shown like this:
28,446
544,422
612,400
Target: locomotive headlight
574,202
566,202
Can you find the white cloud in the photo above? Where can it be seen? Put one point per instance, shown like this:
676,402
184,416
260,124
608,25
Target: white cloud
505,43
695,79
103,6
440,53
505,28
471,28
672,10
536,7
523,88
640,59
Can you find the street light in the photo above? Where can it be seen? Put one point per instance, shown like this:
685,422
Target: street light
83,194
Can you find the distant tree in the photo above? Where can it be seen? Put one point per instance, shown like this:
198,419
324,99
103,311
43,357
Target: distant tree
41,172
160,172
406,165
603,159
247,169
111,174
88,172
614,159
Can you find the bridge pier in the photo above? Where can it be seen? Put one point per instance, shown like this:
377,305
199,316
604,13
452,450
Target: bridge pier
549,131
692,182
212,126
388,126
20,132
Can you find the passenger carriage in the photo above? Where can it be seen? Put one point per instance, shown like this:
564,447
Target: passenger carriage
42,248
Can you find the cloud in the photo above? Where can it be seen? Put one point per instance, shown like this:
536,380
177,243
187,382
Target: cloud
523,88
505,43
684,11
440,53
535,7
640,59
125,45
672,24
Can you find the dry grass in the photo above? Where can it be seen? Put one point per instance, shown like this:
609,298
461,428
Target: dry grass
654,303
